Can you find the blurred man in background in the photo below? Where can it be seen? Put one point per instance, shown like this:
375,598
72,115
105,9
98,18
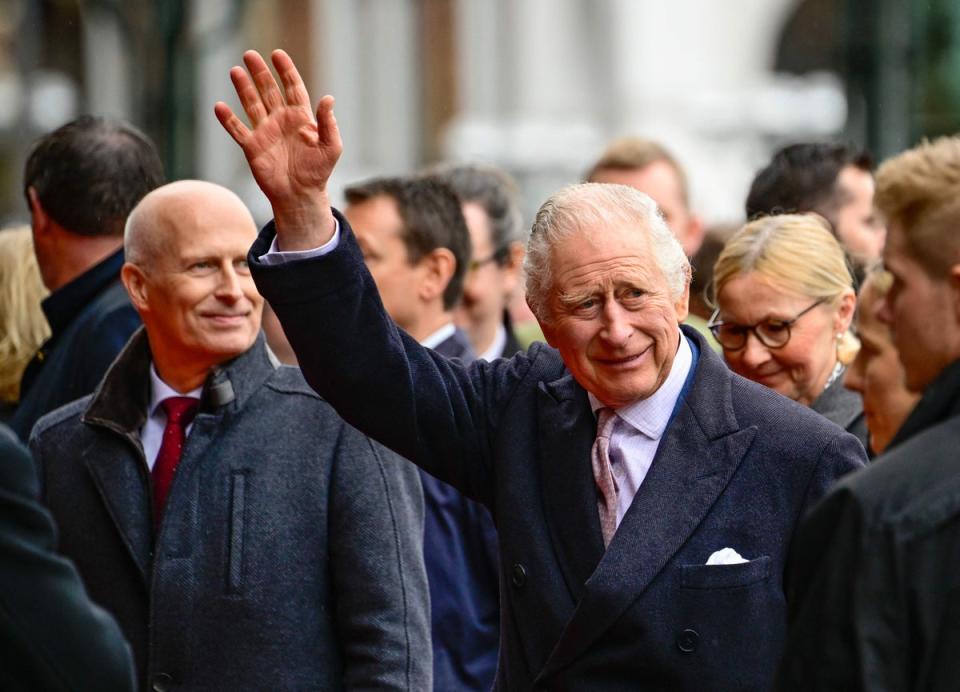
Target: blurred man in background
416,245
831,180
491,207
80,182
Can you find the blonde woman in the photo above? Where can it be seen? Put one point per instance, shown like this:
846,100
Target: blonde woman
785,300
22,324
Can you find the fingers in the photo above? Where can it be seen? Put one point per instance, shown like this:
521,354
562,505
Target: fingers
293,86
248,95
263,79
231,123
327,131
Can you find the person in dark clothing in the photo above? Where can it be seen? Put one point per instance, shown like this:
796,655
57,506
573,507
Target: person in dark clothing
875,569
80,182
416,244
52,637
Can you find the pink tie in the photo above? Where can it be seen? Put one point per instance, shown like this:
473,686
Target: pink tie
603,474
180,411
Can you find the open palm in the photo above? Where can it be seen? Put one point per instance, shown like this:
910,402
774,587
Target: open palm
290,152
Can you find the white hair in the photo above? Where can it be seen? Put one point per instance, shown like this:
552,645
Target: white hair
596,207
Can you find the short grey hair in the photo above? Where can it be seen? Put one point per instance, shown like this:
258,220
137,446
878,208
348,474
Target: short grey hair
590,208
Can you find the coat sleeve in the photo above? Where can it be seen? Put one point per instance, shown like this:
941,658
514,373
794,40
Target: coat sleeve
436,412
51,635
380,585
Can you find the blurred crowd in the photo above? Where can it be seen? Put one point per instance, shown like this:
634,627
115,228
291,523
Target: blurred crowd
646,454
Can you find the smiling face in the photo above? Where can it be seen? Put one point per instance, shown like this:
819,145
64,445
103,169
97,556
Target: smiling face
611,314
801,368
193,289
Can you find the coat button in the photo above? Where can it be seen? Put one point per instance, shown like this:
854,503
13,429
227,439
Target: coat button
162,682
519,576
687,641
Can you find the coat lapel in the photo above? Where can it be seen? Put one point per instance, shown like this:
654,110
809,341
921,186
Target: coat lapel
697,457
123,487
567,429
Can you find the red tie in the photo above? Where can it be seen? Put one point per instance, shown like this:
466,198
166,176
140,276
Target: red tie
180,411
603,474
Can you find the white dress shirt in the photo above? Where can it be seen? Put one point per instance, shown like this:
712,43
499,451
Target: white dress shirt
496,348
151,434
439,336
639,427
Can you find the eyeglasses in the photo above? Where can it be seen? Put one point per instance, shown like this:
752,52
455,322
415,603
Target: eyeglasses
496,256
770,333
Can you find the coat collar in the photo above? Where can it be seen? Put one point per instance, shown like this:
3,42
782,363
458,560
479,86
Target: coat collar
940,401
119,405
698,455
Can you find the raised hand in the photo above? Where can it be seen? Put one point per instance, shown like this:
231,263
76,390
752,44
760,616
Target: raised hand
290,152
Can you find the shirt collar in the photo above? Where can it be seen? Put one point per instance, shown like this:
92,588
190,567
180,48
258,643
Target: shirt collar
61,306
160,390
651,415
439,336
496,348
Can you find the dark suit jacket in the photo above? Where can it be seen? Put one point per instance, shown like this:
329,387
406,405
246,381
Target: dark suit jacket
460,552
736,468
289,556
52,637
91,319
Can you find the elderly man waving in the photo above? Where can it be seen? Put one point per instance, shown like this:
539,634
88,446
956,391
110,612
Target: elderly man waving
644,495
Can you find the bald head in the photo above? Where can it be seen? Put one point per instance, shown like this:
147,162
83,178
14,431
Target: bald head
175,209
187,275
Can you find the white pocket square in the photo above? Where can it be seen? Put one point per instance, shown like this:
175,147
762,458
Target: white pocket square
726,556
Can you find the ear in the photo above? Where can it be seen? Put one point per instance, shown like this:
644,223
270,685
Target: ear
135,281
845,311
39,219
436,268
511,268
693,238
953,279
682,306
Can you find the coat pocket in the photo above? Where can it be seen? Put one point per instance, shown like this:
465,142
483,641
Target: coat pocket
238,502
725,576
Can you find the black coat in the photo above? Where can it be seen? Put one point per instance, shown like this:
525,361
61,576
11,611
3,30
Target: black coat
736,468
875,578
52,637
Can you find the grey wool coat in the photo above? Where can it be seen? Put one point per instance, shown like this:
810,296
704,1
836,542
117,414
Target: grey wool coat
289,556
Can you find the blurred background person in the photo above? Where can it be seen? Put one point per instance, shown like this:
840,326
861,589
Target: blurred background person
877,373
785,301
491,207
833,180
22,324
276,338
416,245
647,166
81,181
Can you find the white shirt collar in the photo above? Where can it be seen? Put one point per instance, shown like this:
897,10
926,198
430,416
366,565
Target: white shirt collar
160,390
499,343
651,415
439,336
